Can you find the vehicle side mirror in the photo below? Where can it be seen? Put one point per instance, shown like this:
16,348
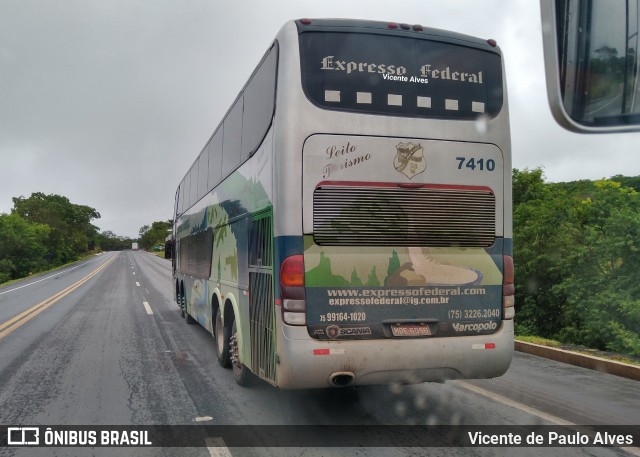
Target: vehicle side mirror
591,61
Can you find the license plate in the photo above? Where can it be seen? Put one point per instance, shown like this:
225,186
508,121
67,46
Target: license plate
410,330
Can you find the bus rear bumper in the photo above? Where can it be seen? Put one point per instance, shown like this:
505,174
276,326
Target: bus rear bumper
308,363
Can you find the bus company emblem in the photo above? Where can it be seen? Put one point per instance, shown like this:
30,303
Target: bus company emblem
333,331
409,159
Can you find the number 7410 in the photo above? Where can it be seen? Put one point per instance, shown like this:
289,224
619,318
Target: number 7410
472,164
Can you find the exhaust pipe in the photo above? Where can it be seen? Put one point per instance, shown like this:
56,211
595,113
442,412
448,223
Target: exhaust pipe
342,378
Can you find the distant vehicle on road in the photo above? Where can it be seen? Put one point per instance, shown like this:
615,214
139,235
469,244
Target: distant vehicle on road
134,246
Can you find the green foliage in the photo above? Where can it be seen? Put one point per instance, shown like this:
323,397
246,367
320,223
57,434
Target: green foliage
44,231
577,257
109,241
394,265
22,247
542,228
355,279
322,274
70,224
373,280
155,234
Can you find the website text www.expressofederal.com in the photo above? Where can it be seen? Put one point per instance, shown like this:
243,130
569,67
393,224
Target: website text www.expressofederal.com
413,296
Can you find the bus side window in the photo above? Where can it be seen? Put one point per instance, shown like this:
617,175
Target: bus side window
203,173
259,104
215,159
232,139
193,186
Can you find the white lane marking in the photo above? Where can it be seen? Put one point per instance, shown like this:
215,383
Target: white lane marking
528,409
137,284
40,280
217,447
203,418
514,404
147,308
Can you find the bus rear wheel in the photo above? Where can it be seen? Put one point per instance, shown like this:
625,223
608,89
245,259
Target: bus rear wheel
182,303
183,309
241,373
222,336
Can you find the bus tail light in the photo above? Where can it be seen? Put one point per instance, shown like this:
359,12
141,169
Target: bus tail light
294,307
508,288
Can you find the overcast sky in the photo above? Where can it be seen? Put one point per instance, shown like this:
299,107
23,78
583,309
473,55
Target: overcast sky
108,102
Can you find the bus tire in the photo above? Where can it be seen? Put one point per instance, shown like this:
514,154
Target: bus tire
181,303
241,373
190,320
187,317
222,336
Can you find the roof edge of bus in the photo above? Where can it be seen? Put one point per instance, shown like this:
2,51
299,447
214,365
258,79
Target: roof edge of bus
395,28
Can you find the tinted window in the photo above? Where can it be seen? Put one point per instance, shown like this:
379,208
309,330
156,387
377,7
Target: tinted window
203,172
187,194
259,103
177,203
215,159
181,205
396,75
232,140
196,252
193,186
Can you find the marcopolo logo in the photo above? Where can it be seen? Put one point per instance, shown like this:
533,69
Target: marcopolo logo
474,327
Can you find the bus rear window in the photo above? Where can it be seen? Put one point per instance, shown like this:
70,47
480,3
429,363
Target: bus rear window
400,76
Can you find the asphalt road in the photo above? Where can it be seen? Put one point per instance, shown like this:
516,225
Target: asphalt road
103,342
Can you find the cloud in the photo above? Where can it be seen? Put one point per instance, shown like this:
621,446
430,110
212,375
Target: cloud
109,103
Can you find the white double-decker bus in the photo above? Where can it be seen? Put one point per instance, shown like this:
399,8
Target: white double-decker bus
349,220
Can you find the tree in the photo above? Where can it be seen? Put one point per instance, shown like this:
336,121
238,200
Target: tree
154,235
70,224
543,233
602,289
22,247
109,241
577,259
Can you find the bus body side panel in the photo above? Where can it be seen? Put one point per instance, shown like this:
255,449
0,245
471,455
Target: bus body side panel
230,211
